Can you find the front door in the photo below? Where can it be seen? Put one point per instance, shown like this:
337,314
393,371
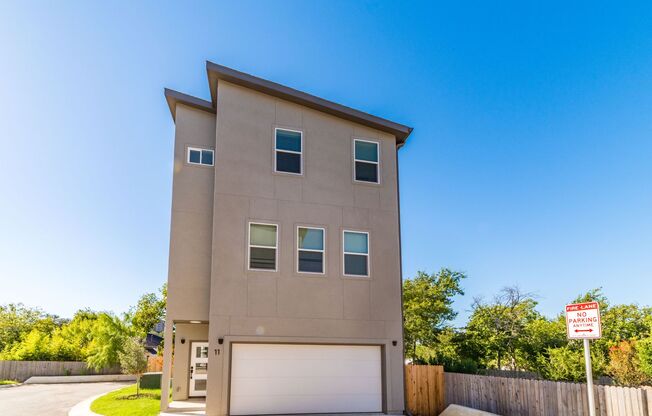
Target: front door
198,368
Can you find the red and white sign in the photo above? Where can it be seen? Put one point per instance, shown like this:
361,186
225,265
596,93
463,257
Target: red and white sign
583,321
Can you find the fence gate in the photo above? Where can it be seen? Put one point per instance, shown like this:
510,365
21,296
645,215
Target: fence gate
424,389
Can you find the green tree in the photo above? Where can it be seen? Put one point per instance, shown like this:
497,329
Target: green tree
499,329
566,363
149,311
644,350
17,320
427,307
133,359
108,335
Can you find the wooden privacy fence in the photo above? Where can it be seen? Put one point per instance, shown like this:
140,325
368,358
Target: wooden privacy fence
424,389
22,370
154,364
522,397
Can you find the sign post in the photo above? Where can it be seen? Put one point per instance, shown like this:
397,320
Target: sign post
583,322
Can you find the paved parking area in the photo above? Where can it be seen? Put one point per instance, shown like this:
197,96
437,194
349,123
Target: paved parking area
49,399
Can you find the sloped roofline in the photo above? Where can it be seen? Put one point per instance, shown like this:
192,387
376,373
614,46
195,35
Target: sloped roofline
219,72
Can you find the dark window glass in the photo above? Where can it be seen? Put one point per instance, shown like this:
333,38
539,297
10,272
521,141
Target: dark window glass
311,261
367,172
288,140
355,264
366,151
262,258
195,156
207,157
288,162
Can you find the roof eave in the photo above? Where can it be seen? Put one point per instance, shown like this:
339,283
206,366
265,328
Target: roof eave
218,72
175,97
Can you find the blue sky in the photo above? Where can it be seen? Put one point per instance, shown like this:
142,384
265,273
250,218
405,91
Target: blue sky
530,162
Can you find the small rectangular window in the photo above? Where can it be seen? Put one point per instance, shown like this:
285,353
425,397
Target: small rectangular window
365,159
356,253
310,247
288,151
263,243
198,156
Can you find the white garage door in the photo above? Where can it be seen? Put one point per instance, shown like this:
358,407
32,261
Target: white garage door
284,378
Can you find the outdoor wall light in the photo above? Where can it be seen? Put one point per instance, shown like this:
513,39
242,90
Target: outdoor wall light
195,322
394,343
220,341
183,340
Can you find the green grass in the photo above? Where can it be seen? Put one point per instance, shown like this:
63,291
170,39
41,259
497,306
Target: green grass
6,382
123,402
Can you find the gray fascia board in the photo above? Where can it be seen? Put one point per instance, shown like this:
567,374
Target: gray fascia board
175,97
217,72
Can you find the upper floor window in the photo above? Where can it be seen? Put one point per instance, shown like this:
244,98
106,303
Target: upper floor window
365,159
288,147
263,246
356,253
310,247
197,156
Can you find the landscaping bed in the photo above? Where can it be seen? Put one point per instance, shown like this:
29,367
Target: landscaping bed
124,402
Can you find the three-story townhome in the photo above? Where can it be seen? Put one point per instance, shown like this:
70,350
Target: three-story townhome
284,286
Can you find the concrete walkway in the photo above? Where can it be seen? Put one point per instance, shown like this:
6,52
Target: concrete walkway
49,399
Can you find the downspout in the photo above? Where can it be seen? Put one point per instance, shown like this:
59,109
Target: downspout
400,271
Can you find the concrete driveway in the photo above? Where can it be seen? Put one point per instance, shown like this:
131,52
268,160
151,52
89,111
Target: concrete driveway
49,399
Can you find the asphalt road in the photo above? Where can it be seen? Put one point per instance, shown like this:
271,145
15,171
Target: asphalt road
49,399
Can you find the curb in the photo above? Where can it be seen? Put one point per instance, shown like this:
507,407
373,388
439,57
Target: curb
83,408
79,379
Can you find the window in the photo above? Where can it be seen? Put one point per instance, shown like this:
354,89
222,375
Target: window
310,247
288,146
365,158
198,156
263,241
356,253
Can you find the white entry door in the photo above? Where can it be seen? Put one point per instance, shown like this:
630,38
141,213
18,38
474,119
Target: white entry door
198,368
290,378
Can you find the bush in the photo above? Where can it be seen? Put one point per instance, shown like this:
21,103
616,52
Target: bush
624,364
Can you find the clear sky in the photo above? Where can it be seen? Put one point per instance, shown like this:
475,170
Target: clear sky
530,162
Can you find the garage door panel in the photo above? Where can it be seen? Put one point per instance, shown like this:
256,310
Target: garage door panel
289,368
306,386
289,404
294,352
285,378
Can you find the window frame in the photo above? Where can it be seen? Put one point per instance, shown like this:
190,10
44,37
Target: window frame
249,246
323,251
275,151
200,150
355,159
344,253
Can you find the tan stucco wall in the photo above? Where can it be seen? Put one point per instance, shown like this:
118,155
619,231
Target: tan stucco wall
189,272
181,369
284,305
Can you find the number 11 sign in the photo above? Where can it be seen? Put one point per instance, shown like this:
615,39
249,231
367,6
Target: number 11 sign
583,321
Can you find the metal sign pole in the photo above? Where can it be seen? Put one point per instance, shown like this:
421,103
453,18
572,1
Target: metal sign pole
589,377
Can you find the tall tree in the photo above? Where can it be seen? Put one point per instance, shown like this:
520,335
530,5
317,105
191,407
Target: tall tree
427,306
108,336
149,311
500,328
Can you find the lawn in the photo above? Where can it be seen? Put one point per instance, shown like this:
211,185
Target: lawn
123,402
6,382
